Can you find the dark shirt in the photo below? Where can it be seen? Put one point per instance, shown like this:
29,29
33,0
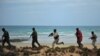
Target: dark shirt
34,35
6,35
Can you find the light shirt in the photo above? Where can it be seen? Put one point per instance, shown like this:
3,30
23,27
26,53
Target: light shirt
55,34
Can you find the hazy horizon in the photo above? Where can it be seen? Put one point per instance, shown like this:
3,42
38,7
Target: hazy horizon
49,25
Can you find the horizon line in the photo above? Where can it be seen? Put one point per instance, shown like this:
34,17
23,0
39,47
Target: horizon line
49,25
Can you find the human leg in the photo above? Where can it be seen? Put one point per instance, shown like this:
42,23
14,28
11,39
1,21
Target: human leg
79,43
38,43
93,43
33,43
7,40
54,42
3,42
58,43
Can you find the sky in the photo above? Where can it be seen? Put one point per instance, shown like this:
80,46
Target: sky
50,12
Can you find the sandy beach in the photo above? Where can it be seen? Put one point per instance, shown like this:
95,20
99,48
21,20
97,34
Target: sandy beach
20,44
25,49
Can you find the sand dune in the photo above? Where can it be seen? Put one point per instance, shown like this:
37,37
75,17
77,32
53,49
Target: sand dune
23,49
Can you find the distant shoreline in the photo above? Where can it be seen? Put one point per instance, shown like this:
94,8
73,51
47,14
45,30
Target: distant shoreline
24,41
55,25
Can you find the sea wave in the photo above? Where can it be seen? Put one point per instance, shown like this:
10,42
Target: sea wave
44,33
47,33
18,37
60,33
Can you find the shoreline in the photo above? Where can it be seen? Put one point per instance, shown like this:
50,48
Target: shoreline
21,44
50,43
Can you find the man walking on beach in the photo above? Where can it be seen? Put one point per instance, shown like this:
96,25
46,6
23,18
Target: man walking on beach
34,38
93,38
79,37
5,37
56,38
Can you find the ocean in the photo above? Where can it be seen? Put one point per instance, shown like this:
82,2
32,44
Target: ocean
67,33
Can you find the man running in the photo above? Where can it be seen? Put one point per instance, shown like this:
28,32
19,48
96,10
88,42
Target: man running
56,38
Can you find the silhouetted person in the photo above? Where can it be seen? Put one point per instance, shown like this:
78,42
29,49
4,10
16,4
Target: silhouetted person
93,38
5,37
79,37
56,38
34,38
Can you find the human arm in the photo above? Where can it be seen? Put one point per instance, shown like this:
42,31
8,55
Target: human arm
30,36
51,34
2,37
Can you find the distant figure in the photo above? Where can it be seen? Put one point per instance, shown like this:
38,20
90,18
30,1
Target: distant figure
93,38
34,38
56,38
5,37
79,37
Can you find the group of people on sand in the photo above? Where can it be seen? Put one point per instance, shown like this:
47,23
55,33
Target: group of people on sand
6,38
80,37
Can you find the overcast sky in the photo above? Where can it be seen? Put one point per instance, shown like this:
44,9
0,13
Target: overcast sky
50,12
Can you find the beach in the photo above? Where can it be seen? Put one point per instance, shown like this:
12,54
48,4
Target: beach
21,41
49,28
66,33
25,49
20,44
